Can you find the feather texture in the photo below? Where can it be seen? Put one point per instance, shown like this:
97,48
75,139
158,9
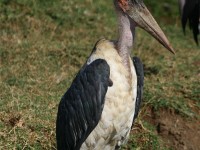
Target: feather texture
140,82
115,124
81,106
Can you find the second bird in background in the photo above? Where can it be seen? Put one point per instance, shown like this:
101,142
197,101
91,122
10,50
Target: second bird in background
190,12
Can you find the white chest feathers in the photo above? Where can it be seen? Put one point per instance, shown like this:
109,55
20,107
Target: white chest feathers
117,116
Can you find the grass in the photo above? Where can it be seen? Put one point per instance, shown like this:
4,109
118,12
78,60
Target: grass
44,43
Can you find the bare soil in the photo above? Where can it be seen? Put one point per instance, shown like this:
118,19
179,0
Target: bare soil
177,132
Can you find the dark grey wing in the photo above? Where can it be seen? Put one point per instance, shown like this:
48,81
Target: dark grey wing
81,106
140,82
191,13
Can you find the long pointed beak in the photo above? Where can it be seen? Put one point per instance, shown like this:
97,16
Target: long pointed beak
143,18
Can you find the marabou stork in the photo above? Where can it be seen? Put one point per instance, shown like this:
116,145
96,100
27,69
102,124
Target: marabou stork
190,10
99,108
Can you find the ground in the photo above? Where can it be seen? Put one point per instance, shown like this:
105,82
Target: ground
43,44
176,132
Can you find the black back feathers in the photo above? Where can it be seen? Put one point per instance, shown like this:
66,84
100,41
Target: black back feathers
81,106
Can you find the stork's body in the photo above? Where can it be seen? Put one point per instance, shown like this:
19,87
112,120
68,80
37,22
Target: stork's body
99,108
117,116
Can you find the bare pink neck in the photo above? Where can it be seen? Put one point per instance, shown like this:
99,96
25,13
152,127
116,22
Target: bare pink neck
126,37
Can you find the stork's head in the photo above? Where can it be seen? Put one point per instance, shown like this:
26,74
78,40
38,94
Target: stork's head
140,16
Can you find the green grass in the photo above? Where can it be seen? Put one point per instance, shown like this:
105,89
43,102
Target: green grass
44,43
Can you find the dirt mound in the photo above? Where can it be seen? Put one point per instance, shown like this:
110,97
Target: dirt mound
177,132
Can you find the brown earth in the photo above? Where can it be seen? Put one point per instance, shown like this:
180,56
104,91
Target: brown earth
177,132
